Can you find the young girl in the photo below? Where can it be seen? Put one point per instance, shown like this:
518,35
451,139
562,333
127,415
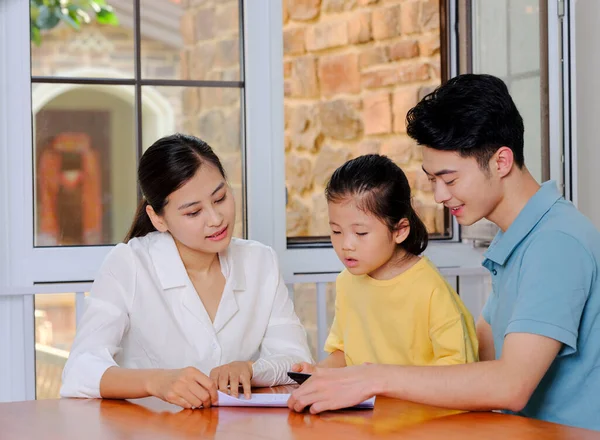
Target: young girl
182,309
392,305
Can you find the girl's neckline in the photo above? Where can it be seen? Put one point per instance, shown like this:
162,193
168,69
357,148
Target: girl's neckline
423,261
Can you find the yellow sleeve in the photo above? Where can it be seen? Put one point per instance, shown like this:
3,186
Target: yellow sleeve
451,329
335,340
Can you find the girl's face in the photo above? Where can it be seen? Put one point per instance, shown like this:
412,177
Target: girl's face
201,214
362,241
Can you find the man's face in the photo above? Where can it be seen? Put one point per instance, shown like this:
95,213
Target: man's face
461,185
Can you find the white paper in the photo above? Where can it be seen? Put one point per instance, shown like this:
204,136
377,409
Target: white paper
271,401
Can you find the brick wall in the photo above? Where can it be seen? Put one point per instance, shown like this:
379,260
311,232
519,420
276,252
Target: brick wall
352,69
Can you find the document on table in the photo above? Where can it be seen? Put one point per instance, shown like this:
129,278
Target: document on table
272,401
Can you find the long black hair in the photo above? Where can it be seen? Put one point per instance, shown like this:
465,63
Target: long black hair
381,189
165,167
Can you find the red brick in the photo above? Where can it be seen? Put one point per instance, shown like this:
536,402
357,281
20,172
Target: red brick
326,35
339,74
228,18
380,77
287,69
359,28
404,49
413,73
386,22
402,101
368,146
372,56
429,45
430,15
202,61
377,115
204,24
303,9
399,149
409,17
293,41
303,82
338,5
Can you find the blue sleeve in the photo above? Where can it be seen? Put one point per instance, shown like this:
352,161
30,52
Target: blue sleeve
553,287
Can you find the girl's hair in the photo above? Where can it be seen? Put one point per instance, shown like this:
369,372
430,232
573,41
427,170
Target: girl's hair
381,188
165,167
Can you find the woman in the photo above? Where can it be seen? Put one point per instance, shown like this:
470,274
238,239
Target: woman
182,309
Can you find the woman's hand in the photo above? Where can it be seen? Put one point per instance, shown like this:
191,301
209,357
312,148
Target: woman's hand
304,367
186,387
229,377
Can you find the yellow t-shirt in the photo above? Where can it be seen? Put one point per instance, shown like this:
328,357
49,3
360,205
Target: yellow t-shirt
415,318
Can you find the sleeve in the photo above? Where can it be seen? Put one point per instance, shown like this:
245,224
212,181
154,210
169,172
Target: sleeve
335,340
284,342
453,341
552,290
101,327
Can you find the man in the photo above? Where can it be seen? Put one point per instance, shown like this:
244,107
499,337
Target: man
539,333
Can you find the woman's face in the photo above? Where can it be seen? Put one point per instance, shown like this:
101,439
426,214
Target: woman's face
201,214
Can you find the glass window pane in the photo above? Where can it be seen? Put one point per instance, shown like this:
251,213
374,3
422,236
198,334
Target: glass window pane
96,50
191,40
350,75
506,43
210,113
85,162
54,334
305,304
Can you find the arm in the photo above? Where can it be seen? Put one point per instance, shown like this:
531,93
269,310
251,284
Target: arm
337,359
91,370
552,291
101,328
284,343
507,383
503,384
487,352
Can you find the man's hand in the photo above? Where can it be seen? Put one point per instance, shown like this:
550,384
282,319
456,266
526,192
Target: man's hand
334,388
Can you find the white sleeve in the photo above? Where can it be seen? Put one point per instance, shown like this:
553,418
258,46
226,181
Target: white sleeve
101,327
284,342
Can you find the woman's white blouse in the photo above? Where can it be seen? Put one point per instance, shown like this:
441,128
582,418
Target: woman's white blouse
143,312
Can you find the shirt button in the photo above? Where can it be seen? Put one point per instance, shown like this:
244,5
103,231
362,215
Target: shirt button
494,271
214,346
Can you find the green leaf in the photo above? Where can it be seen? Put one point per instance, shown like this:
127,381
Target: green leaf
64,16
47,19
106,16
35,34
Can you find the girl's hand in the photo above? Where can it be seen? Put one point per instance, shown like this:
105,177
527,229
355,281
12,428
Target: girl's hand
186,387
229,377
304,367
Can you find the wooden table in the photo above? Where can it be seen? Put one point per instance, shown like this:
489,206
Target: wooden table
150,419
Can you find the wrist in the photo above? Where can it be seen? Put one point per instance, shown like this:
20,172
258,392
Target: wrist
149,381
379,386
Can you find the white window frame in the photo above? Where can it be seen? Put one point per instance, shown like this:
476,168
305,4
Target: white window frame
22,265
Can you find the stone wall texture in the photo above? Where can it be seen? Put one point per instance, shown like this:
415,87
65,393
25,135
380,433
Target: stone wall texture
353,68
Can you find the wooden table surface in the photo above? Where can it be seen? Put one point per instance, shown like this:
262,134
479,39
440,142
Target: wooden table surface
151,419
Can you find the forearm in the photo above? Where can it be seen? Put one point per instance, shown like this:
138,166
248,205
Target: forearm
124,383
476,386
337,359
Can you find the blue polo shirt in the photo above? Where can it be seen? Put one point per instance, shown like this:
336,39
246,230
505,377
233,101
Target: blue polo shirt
545,281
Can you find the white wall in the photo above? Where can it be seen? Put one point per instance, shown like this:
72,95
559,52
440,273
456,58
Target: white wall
587,124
